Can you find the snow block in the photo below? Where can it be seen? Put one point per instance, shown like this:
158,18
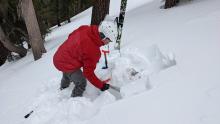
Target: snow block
135,87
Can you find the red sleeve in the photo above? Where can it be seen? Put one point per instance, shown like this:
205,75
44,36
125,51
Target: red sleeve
89,64
88,71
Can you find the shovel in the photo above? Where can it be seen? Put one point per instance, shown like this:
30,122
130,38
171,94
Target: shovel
114,90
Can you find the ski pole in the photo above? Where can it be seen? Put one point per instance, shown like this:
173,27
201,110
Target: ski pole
27,115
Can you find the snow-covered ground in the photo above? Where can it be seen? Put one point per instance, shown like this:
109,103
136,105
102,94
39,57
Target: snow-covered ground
168,71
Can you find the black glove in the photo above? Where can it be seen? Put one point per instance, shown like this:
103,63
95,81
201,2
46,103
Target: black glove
105,87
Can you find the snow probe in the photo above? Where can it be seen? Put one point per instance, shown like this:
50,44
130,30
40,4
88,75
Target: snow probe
106,62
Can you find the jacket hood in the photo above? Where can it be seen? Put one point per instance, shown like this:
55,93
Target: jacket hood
95,36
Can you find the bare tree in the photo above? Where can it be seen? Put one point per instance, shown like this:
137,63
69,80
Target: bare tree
29,16
99,11
10,46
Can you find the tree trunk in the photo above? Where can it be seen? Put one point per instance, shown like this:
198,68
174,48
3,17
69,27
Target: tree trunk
76,7
58,12
29,16
170,3
65,10
3,54
68,11
99,11
79,6
10,46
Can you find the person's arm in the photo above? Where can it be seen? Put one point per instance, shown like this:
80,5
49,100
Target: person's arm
89,66
88,71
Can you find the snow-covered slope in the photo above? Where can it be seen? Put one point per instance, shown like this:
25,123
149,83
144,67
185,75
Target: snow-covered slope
187,93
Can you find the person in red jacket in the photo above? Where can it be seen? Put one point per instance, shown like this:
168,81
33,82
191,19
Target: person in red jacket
82,50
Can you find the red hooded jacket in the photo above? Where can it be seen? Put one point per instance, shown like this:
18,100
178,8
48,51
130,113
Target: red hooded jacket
81,49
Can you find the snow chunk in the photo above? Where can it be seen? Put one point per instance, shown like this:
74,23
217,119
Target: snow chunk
131,70
53,106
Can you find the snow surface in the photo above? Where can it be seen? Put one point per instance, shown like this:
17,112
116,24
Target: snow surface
168,71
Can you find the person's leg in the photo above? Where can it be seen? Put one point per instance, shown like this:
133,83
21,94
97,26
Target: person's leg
65,81
80,83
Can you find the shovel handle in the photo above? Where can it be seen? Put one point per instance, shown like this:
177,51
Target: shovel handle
115,88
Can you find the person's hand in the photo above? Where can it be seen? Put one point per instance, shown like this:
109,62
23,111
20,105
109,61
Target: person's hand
105,87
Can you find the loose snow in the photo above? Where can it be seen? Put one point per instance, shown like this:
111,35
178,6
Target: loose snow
168,71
